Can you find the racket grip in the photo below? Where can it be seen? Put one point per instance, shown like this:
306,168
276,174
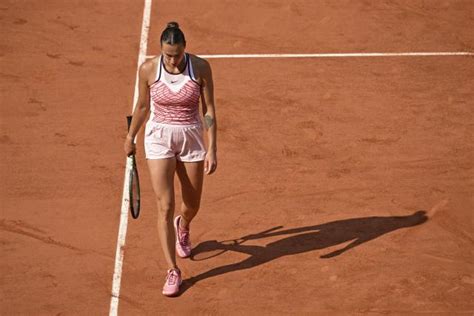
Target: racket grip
129,121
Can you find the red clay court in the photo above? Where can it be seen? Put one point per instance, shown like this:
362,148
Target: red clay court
349,177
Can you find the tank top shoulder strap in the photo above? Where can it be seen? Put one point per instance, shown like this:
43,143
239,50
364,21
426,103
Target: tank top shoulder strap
159,69
190,69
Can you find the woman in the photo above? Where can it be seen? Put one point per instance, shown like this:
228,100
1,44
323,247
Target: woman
171,85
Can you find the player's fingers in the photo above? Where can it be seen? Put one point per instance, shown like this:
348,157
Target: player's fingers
213,166
130,150
206,166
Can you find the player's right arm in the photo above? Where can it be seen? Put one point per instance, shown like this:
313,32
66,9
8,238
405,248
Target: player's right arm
142,107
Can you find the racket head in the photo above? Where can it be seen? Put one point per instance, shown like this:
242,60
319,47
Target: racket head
134,190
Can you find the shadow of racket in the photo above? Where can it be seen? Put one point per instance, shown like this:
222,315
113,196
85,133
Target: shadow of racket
213,248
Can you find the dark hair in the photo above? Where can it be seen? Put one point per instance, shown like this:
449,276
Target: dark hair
172,34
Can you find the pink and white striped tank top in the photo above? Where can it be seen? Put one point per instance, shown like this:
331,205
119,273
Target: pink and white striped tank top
174,98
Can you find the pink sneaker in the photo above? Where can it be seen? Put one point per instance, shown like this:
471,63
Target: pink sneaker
173,281
183,244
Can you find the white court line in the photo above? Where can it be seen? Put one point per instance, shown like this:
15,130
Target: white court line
114,301
336,55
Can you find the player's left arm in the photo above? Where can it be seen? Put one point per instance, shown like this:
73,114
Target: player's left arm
209,112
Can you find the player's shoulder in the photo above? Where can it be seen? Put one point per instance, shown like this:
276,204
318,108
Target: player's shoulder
199,62
149,65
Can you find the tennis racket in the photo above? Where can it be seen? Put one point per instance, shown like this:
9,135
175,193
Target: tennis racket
134,183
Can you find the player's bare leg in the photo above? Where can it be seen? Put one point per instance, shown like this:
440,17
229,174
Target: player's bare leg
191,176
162,178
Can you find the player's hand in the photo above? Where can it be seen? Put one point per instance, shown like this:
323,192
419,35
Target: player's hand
210,163
129,146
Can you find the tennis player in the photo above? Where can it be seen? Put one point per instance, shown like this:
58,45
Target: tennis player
170,87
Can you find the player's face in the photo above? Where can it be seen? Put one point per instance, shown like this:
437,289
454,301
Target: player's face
173,55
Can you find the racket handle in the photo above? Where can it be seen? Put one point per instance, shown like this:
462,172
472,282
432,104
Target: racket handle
129,121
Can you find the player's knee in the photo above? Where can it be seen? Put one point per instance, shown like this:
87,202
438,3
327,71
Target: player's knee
166,210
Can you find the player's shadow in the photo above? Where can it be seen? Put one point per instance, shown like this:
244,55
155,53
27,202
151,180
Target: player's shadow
302,239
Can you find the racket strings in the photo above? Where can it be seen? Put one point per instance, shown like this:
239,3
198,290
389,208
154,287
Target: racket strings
134,191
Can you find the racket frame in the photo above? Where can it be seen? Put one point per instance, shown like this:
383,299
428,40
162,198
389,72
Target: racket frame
133,172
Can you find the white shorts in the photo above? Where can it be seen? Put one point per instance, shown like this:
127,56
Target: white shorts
185,142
